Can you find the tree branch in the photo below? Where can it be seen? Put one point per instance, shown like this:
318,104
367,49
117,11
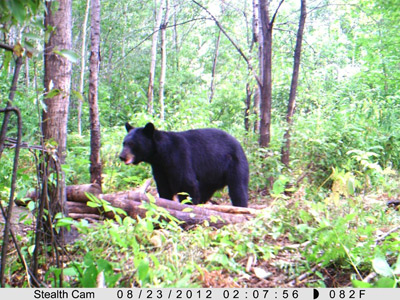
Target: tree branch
151,34
276,12
249,65
6,47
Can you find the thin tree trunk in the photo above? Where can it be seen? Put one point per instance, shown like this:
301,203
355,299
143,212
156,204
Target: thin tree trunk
175,36
8,215
293,87
163,60
249,93
95,137
265,82
27,79
255,40
265,87
83,60
4,126
110,66
214,66
256,110
150,90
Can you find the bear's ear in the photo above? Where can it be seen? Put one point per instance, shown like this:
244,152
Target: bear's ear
128,127
149,129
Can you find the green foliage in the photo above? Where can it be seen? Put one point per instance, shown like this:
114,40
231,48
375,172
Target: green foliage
389,276
344,150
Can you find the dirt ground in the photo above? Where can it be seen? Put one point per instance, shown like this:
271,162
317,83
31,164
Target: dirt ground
17,225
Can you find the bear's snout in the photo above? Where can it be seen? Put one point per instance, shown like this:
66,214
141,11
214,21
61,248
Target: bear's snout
127,158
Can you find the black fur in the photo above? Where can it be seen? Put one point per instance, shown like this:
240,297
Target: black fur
198,162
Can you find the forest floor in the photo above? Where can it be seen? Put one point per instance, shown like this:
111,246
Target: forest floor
278,271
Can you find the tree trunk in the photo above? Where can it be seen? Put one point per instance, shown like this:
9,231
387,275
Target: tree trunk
95,137
57,85
214,66
175,34
83,60
265,82
255,40
265,86
150,90
163,60
293,87
57,81
249,93
57,75
256,110
27,79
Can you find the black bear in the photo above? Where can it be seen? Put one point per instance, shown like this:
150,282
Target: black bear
197,162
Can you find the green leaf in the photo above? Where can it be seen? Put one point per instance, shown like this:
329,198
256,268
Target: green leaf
52,93
68,54
382,267
31,249
78,95
219,258
65,222
385,282
70,272
361,284
32,36
143,269
396,266
120,211
18,10
104,265
6,60
111,280
47,33
93,204
89,277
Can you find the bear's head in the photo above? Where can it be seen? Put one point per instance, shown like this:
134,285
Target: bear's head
138,144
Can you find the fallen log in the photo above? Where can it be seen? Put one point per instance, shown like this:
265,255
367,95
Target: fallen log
89,217
82,208
132,203
75,193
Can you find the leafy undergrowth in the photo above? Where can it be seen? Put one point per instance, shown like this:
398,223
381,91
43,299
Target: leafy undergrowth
292,242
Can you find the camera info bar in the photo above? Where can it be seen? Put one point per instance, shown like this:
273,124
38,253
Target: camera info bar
200,293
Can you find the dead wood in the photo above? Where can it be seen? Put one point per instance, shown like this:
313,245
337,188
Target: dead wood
89,217
230,209
75,193
132,203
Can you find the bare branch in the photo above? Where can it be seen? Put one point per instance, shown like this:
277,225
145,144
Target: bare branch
151,34
276,12
6,47
249,65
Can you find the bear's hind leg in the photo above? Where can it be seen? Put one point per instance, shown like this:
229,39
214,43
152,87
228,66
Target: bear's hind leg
238,187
